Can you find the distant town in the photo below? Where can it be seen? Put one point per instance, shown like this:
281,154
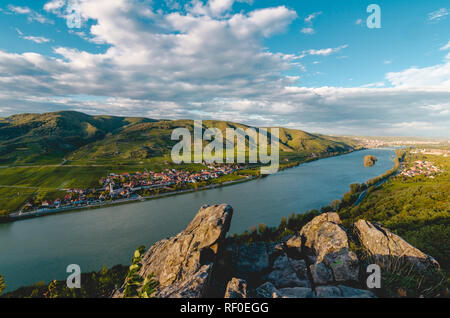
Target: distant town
131,186
424,168
377,142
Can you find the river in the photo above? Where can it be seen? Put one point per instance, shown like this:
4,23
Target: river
40,249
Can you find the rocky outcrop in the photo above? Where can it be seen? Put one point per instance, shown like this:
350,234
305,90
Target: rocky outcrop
384,246
316,262
183,264
326,241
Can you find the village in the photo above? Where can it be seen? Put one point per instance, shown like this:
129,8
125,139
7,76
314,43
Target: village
133,186
424,168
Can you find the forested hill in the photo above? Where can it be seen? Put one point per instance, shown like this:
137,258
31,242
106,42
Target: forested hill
51,137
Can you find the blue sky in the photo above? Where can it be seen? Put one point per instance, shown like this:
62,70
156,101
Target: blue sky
312,65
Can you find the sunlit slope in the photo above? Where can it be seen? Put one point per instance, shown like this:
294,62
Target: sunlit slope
27,139
153,139
47,138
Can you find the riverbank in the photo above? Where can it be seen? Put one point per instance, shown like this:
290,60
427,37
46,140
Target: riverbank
40,248
17,216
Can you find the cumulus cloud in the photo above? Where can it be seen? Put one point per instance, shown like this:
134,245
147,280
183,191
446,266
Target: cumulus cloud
432,76
211,63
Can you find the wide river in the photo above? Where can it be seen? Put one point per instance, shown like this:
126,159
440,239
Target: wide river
40,249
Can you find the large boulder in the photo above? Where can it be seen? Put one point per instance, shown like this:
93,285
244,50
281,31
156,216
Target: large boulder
385,246
183,264
287,272
321,274
326,241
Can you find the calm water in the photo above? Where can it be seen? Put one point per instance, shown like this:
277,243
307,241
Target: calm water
40,249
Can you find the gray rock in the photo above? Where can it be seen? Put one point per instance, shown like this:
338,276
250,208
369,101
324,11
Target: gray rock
253,258
182,264
327,241
236,288
267,290
296,292
300,267
328,292
294,246
281,262
344,265
385,247
286,278
350,292
321,274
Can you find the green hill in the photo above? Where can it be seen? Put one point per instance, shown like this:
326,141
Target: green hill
47,138
27,139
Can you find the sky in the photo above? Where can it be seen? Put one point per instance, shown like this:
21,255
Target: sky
310,65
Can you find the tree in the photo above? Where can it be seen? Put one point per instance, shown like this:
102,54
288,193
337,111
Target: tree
335,205
2,284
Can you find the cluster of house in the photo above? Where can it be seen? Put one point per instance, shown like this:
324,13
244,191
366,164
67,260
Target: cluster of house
73,198
124,184
420,167
131,185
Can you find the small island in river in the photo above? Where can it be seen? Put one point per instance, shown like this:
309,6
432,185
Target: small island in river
369,160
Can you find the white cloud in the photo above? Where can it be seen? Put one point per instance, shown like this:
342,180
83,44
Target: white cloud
312,16
36,39
190,65
31,14
54,5
324,52
307,31
445,47
376,84
432,76
438,15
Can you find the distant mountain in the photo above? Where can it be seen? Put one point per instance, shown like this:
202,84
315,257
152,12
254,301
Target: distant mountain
50,137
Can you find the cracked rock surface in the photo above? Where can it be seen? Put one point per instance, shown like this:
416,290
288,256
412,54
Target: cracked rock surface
315,262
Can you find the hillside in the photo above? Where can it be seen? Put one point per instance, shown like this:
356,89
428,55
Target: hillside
81,138
47,138
41,155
